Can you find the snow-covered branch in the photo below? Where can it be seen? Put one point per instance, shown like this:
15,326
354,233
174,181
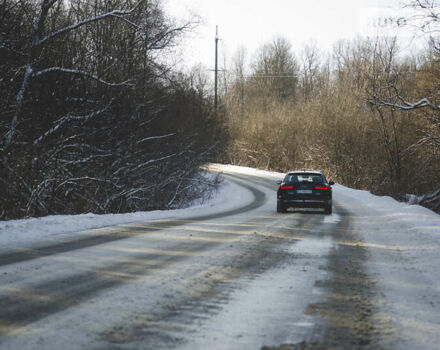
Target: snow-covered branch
83,73
151,161
86,160
404,105
83,178
114,13
68,118
19,103
155,138
132,24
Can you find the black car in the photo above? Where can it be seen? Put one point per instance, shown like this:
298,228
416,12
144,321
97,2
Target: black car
304,189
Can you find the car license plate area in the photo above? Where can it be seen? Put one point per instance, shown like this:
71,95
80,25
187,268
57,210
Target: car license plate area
304,191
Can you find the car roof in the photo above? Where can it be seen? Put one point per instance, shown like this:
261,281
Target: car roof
318,172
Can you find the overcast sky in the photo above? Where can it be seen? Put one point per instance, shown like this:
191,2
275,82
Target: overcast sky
251,23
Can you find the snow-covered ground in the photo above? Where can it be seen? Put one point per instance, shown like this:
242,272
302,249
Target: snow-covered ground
402,241
415,216
417,220
234,169
44,230
403,245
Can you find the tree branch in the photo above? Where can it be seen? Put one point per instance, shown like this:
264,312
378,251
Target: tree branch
114,13
155,138
405,105
69,118
80,72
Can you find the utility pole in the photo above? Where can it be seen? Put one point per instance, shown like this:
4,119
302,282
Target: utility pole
216,71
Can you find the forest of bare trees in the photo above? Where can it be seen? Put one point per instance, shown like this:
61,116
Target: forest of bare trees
92,118
368,115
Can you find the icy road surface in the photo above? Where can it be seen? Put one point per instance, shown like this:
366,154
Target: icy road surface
229,274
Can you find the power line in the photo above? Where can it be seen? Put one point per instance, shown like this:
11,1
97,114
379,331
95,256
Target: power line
258,75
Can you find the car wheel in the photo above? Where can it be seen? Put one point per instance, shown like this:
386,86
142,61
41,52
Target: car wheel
280,208
328,209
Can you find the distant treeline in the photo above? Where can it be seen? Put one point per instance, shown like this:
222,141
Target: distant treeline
92,118
366,115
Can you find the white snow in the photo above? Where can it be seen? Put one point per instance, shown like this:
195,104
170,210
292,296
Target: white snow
28,232
332,219
403,244
234,169
278,297
402,240
416,216
417,221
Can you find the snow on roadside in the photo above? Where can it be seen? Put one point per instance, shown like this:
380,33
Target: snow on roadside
16,232
416,216
235,169
403,240
27,232
412,216
385,204
403,244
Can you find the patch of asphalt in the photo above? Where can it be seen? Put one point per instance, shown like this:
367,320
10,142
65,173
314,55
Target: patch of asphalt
19,309
167,327
299,346
170,326
49,297
90,241
347,319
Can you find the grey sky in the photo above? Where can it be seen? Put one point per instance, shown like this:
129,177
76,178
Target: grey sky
251,23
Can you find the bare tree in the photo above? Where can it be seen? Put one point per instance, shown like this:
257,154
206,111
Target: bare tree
92,115
275,70
422,103
39,38
310,69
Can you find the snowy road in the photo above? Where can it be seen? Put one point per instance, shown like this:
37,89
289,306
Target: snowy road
234,276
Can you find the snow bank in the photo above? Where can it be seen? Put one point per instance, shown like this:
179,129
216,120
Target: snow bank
234,169
413,216
384,204
15,232
26,232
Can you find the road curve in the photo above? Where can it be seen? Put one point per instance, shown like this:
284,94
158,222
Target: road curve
242,279
89,241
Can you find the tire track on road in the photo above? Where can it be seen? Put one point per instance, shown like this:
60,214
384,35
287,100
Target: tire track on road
126,232
27,305
22,306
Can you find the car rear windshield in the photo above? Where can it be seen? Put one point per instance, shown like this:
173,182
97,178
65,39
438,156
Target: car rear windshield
311,178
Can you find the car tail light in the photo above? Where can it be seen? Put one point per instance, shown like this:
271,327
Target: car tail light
286,187
321,188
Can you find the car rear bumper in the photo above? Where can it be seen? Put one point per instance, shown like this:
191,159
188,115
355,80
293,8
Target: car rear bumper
305,203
